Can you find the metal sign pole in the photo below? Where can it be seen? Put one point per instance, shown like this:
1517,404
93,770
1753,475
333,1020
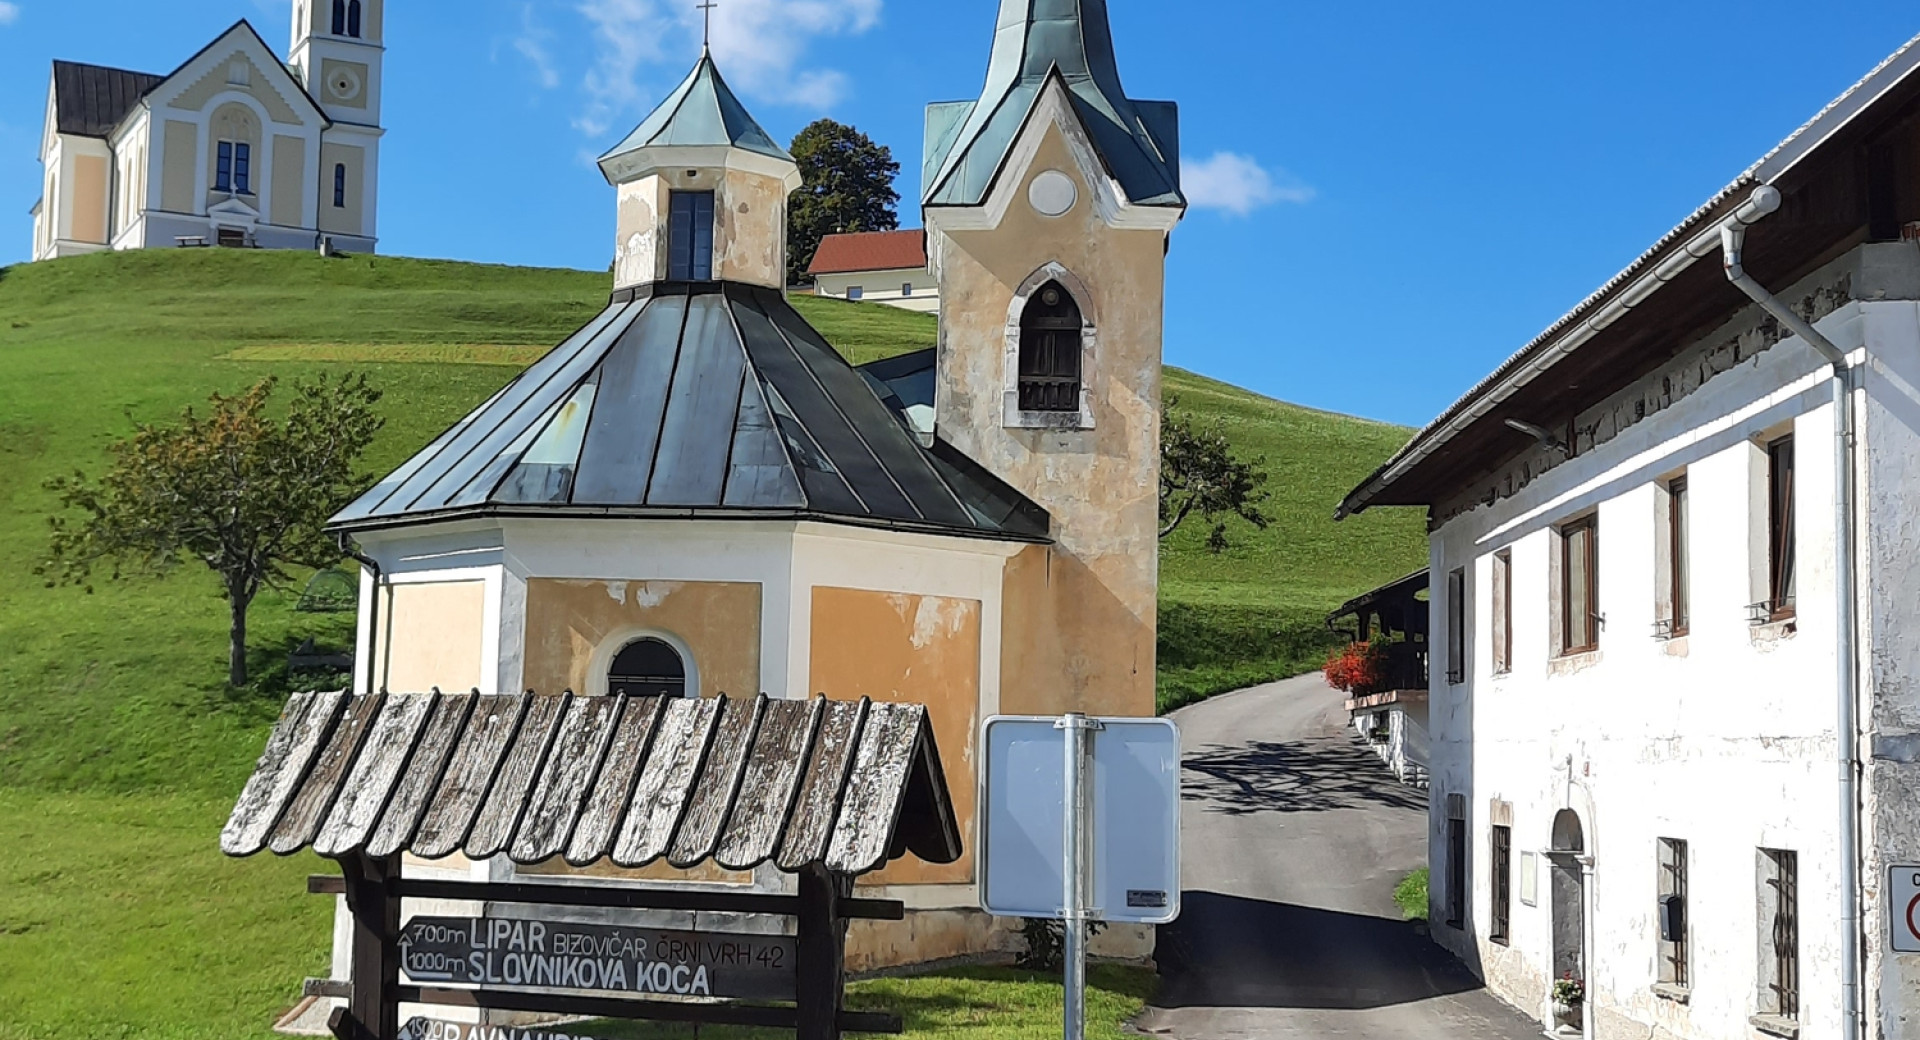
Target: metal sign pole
1074,923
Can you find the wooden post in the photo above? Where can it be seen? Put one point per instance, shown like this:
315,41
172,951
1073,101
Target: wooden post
373,900
822,952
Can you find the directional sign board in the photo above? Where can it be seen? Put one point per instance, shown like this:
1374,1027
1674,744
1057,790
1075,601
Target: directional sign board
499,951
1132,835
438,1029
1903,908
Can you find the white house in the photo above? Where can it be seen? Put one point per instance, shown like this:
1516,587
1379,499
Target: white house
1676,616
233,148
887,267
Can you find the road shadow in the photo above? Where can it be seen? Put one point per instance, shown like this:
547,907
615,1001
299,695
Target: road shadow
1314,775
1230,952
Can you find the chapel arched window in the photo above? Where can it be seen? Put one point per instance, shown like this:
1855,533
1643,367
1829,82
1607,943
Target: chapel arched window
1050,329
339,17
648,668
353,18
339,185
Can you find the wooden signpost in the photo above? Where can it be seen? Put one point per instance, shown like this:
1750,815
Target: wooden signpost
823,791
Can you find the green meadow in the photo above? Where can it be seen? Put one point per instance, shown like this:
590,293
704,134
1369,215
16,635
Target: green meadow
121,746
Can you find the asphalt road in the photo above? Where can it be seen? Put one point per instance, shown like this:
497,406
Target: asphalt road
1294,837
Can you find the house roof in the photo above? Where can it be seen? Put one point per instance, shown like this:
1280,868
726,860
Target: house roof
634,780
870,251
1034,41
694,400
90,100
701,112
1453,448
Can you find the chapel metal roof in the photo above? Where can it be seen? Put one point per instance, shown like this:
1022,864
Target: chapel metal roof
634,780
695,400
701,112
968,141
90,100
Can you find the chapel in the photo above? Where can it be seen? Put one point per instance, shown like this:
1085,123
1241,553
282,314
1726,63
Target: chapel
696,495
232,148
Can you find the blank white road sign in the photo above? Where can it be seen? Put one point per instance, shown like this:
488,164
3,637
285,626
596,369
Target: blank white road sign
1903,909
1134,832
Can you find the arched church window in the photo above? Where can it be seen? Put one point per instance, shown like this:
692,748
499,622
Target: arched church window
339,185
1050,351
648,668
339,17
353,18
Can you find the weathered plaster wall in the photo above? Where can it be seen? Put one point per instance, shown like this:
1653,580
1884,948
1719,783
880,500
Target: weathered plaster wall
435,631
290,181
89,199
899,647
179,142
749,233
348,219
1724,738
574,627
1094,594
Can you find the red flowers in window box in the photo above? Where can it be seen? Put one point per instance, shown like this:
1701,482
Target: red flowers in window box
1359,669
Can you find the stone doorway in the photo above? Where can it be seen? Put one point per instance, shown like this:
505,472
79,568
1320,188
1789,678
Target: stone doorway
1567,888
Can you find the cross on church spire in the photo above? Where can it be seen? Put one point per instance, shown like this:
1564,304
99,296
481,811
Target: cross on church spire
707,7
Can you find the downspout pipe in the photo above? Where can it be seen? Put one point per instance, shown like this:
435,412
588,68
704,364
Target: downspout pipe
1846,704
348,549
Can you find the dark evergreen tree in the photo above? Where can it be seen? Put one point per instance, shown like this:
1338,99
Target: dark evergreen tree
847,186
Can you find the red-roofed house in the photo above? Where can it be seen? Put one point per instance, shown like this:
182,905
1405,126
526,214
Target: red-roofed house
887,267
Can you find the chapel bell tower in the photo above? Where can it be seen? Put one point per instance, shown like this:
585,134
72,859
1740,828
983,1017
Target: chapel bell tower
336,53
1049,202
702,192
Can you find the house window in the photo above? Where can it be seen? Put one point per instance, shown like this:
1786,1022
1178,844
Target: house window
907,289
1050,351
1677,613
233,168
1502,885
648,668
690,237
1579,587
339,185
856,292
1671,912
1456,871
1503,612
1779,933
1781,585
1457,626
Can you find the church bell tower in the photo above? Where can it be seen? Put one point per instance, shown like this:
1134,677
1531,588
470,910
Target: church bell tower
336,53
1049,202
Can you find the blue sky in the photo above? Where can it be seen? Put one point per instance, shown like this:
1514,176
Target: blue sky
1391,195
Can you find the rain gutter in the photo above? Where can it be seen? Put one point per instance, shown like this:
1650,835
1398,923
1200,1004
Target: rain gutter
373,609
1846,620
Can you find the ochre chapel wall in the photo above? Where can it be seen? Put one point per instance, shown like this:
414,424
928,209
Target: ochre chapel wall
568,621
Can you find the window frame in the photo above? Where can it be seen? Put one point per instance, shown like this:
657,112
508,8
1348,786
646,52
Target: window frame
1457,881
1051,366
1503,612
1500,885
856,293
1673,956
339,185
1589,526
1679,560
1457,626
690,235
1782,530
1780,934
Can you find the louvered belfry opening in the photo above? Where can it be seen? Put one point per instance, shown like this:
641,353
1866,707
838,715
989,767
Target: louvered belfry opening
1050,346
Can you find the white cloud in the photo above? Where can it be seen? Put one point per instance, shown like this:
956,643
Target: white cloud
760,45
1237,184
533,45
8,12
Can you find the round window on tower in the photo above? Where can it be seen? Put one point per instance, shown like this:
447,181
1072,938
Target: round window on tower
1052,194
343,84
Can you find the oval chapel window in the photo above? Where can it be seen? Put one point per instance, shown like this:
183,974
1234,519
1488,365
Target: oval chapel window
648,668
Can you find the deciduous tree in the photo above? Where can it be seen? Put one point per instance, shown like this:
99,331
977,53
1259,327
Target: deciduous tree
1199,473
847,186
234,488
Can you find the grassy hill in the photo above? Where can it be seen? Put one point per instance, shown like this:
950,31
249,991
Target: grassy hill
120,744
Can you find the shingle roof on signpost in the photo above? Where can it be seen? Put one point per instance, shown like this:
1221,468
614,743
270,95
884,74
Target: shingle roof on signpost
634,780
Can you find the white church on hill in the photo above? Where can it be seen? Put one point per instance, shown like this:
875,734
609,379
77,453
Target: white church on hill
233,148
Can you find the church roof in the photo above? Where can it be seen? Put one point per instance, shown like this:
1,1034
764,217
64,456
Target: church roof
701,112
703,401
90,100
968,141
